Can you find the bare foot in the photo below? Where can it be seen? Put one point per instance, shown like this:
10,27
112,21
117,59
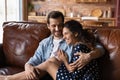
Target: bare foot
2,77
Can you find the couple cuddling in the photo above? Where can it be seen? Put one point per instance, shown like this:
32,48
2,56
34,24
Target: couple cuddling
68,54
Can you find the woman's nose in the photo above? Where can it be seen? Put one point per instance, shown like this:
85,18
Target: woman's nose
63,37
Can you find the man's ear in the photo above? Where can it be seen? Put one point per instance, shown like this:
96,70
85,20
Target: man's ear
48,25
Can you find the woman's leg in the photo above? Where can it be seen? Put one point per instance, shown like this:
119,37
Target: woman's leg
20,76
51,66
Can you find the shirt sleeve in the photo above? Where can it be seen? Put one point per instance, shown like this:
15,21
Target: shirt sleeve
38,56
100,47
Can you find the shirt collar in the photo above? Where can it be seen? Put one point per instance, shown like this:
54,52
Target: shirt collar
51,40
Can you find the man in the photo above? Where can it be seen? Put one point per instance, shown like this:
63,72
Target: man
48,47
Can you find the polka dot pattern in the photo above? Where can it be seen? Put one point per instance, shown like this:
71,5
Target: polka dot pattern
88,72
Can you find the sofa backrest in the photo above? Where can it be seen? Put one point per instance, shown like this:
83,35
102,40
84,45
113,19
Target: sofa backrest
20,40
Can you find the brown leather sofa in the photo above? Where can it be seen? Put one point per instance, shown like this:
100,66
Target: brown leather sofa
20,40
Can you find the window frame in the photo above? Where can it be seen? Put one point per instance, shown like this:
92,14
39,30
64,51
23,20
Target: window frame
22,13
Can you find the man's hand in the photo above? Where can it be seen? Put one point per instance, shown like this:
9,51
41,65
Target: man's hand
82,60
31,72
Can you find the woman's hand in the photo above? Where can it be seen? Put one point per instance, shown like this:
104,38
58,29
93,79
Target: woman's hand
71,68
31,72
62,56
82,60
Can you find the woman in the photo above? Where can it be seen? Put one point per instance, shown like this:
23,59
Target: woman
84,42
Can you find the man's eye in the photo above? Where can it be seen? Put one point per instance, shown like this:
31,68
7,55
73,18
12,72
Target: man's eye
61,24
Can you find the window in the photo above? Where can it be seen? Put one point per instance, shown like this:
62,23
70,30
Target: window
10,10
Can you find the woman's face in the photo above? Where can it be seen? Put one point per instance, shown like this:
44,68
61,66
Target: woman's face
68,36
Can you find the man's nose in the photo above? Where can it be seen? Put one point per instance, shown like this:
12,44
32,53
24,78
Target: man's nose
56,28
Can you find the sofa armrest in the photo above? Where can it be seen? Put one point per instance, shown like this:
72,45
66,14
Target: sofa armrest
2,56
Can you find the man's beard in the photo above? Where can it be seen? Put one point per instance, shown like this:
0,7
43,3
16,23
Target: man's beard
57,34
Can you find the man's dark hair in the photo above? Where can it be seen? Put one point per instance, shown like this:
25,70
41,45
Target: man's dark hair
55,15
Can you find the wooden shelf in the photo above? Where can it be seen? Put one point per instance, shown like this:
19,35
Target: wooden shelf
38,2
91,1
110,21
37,18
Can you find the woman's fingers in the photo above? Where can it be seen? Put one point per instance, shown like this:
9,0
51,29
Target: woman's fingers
75,63
72,68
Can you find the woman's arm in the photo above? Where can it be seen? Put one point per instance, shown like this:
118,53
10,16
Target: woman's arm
64,58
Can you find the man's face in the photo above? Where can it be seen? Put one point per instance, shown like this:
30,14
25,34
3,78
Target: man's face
56,26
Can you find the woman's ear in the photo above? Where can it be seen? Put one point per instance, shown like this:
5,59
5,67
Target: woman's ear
76,34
